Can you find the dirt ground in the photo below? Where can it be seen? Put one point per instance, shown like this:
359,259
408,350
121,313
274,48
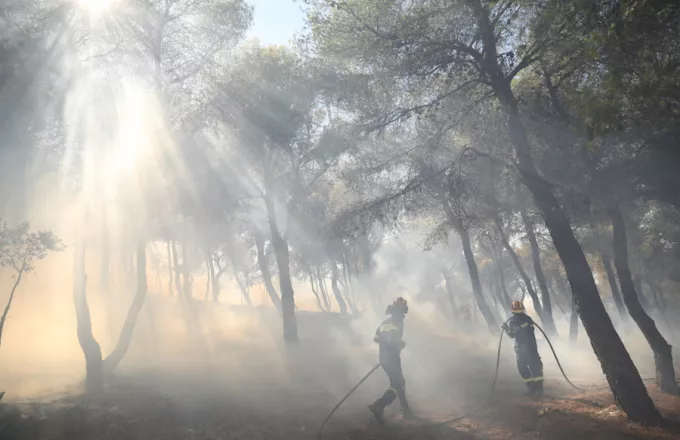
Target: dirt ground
253,388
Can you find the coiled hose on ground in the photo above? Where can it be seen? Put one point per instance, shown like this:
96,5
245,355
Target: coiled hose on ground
486,402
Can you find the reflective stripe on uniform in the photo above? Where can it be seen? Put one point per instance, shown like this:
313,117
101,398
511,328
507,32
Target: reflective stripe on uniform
534,379
388,328
526,324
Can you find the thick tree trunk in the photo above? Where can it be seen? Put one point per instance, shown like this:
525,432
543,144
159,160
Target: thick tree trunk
547,317
474,278
119,352
336,290
614,287
663,357
626,384
94,371
623,377
281,251
525,277
264,270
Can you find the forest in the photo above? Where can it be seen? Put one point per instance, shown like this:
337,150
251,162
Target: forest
200,233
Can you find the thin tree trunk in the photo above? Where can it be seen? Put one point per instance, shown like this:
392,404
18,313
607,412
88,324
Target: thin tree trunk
663,356
94,371
336,290
614,287
547,316
474,278
525,277
211,274
448,283
282,253
322,288
501,281
176,270
573,321
169,256
188,281
9,302
118,353
314,291
264,270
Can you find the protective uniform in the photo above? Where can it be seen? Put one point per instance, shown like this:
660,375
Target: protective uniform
388,336
521,328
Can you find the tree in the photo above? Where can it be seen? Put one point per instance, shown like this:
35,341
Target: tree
465,59
19,250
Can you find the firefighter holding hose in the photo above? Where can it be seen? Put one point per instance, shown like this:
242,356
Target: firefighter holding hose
521,328
389,336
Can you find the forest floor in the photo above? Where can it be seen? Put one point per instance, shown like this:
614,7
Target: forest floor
248,391
134,410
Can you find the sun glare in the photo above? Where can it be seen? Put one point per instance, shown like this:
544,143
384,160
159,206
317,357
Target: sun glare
96,7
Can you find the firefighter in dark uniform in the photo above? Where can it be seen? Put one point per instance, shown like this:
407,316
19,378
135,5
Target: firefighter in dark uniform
521,328
388,336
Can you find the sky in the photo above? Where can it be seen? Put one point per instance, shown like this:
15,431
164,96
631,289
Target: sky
276,21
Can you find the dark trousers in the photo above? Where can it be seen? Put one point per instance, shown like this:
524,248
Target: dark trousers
392,366
530,366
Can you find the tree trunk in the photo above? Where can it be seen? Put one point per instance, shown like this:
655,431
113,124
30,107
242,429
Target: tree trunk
210,266
626,384
264,270
315,291
118,353
9,301
614,287
448,283
623,377
94,371
525,277
176,270
281,251
169,256
573,321
188,281
547,317
336,290
474,278
663,357
501,282
322,288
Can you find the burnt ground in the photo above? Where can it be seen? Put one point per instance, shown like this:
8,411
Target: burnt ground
135,409
261,391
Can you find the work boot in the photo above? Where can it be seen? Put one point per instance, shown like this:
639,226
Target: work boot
377,413
531,389
539,389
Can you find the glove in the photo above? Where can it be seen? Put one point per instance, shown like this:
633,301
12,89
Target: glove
505,327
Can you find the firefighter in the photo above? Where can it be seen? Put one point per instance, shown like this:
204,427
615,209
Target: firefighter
388,336
521,328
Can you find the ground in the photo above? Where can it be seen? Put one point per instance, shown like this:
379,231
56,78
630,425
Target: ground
251,387
136,409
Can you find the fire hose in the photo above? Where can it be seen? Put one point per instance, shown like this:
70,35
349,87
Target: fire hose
486,401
